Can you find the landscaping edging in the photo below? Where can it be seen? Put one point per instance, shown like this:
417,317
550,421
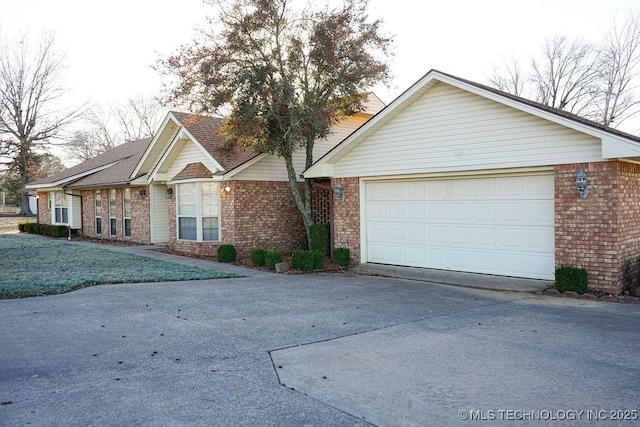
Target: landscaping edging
592,296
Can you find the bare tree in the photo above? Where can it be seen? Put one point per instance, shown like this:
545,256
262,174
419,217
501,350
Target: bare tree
564,76
138,118
107,128
509,78
30,87
618,68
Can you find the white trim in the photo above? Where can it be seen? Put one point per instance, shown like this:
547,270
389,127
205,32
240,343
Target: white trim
461,174
199,216
153,142
227,176
363,223
613,146
61,182
216,178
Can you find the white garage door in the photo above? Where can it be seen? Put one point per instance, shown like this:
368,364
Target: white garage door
502,225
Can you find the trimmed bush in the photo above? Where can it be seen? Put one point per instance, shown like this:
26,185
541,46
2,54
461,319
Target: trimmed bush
342,256
271,259
226,253
257,257
22,227
320,238
318,260
302,260
572,279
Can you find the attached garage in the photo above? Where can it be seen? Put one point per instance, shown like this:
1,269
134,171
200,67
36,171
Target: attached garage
494,225
454,175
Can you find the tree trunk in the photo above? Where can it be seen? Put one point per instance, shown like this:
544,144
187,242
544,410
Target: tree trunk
303,201
25,209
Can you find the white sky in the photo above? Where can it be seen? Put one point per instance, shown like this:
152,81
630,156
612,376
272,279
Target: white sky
110,45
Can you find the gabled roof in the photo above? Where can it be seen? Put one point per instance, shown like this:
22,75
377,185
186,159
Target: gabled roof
191,171
205,130
112,167
615,143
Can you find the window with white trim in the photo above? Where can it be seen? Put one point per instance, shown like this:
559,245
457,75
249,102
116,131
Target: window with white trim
126,209
113,231
60,208
98,208
198,211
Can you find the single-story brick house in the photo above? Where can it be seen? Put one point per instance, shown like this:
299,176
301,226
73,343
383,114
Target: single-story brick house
185,189
458,176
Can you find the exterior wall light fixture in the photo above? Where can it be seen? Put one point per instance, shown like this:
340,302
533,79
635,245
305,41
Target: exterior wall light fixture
142,194
169,193
339,192
582,184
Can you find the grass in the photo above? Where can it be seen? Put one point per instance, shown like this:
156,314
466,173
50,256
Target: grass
34,267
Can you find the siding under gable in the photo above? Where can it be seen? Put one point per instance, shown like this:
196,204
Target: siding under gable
449,129
190,153
272,168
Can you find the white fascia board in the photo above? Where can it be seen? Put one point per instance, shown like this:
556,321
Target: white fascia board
215,178
154,141
613,140
206,153
62,182
229,175
317,169
615,148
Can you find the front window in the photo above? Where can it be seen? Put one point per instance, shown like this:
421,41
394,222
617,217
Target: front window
112,213
198,211
98,206
126,199
60,208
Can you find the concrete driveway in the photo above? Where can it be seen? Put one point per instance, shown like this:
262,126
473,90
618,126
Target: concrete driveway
323,349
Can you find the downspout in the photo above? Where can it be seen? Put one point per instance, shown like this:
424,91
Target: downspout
328,187
81,214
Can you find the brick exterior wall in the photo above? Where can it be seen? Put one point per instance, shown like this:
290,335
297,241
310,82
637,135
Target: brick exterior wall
44,212
255,214
140,213
321,204
346,226
602,232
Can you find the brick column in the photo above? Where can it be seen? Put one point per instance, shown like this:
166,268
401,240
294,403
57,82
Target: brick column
346,217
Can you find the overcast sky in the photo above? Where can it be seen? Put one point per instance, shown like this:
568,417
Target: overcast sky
110,45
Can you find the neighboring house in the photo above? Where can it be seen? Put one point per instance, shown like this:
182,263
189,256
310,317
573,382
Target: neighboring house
458,176
185,189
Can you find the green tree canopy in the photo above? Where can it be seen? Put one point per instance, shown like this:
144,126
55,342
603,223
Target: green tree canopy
280,74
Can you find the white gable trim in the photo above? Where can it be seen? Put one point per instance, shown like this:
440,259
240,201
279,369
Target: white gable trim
154,141
181,135
62,182
613,146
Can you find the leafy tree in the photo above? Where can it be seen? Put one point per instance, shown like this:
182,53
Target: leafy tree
281,75
30,87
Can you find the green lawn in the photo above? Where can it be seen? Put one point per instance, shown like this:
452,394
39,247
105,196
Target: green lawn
34,266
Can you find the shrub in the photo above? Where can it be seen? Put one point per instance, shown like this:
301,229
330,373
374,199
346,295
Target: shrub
226,253
318,260
257,257
271,259
59,230
572,279
320,238
22,227
342,256
302,260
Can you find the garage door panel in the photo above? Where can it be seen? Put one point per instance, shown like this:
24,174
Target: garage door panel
497,225
437,211
484,212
